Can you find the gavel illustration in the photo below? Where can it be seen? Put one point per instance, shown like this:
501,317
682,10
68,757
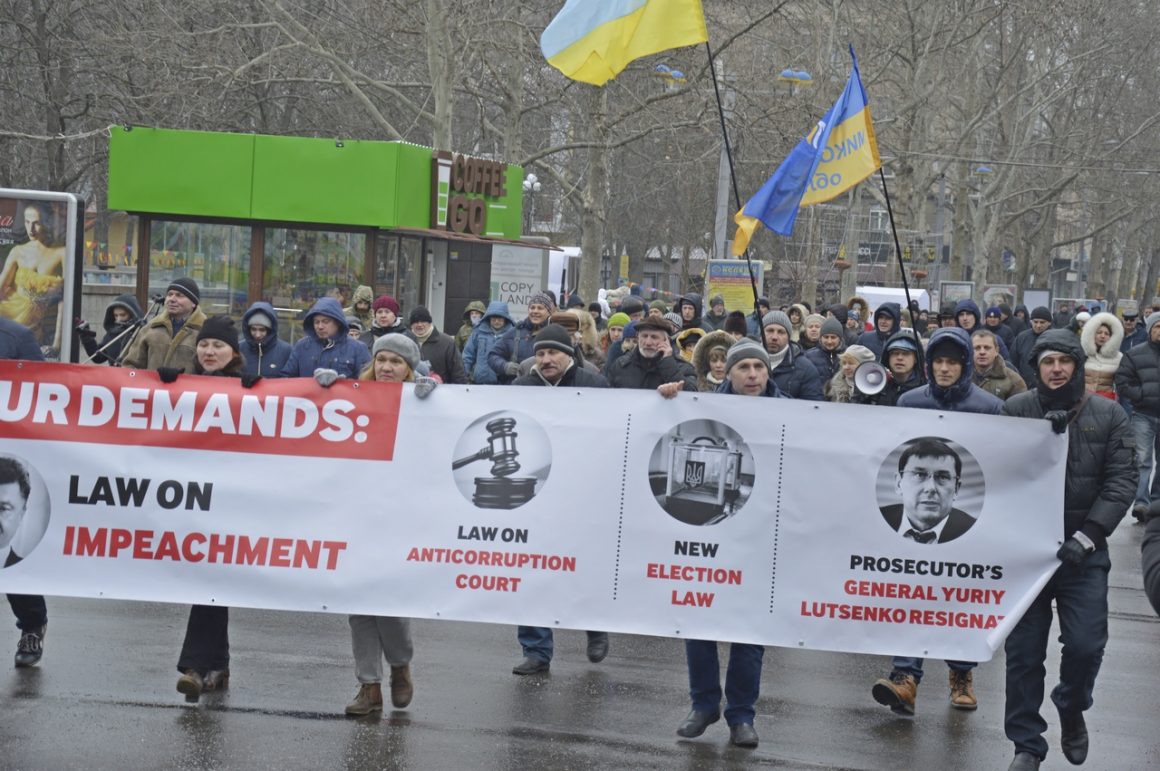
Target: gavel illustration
501,449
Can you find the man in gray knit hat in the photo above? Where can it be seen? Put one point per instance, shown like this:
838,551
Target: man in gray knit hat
746,373
794,374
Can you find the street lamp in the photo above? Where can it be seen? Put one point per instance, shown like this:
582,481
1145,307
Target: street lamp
531,186
795,77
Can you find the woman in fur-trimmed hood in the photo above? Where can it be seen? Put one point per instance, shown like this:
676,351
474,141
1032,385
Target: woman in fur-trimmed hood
709,359
859,304
799,324
1101,337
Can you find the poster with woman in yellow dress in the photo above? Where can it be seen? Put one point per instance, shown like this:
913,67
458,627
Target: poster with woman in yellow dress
32,246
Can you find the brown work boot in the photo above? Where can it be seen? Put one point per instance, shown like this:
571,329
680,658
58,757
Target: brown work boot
962,690
898,693
368,699
190,684
401,688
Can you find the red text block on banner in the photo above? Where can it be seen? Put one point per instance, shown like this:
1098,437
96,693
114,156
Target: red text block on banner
104,405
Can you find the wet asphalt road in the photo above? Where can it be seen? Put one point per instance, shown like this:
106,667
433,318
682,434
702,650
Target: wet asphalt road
103,697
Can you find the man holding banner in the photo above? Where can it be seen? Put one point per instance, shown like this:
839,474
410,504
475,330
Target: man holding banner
747,372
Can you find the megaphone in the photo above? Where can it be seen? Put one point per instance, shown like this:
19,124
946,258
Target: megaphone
871,378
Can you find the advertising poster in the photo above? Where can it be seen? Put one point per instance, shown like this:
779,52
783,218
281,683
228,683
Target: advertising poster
708,516
36,279
999,294
954,292
730,279
517,273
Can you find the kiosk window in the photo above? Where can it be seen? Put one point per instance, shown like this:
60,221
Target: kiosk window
300,266
216,256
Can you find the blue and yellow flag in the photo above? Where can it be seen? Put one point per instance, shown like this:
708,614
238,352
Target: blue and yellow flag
839,153
594,40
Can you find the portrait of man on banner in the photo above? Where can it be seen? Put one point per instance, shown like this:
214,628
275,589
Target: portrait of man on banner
927,480
23,510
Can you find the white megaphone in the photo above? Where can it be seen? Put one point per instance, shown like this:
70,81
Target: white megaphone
871,378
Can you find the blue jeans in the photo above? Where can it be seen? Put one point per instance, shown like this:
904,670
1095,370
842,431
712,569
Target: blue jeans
742,679
913,667
537,641
1081,596
1146,429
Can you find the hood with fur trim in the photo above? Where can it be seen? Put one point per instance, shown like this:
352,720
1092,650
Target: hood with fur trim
1111,349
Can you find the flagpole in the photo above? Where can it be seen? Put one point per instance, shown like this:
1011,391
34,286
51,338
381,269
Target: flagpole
732,176
897,249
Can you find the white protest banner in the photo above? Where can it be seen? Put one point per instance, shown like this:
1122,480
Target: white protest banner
706,516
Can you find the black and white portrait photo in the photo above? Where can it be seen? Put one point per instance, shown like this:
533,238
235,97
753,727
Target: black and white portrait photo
23,509
930,490
701,472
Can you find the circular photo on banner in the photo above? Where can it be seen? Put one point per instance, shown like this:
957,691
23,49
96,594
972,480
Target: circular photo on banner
502,460
701,472
930,490
24,509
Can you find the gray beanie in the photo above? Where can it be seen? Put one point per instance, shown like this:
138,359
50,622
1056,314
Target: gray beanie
259,319
776,317
746,348
402,345
1151,320
832,326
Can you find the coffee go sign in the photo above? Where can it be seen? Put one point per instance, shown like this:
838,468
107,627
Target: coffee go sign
461,186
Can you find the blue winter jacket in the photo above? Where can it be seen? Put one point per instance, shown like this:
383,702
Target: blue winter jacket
266,358
342,353
18,342
482,339
963,395
519,339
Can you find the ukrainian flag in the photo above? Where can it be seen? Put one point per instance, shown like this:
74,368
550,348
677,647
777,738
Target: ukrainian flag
594,40
839,153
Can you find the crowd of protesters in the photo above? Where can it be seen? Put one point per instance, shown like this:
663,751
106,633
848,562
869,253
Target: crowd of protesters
1088,369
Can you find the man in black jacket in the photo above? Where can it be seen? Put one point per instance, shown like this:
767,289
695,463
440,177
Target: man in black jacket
1098,485
555,366
1025,341
1138,382
651,363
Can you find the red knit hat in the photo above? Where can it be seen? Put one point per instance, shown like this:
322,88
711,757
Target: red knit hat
386,301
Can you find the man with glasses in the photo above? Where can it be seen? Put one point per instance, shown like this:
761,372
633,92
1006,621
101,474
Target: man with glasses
928,479
949,370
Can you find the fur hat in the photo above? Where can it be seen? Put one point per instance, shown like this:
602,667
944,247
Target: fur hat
735,324
745,349
564,319
187,286
219,328
400,345
631,304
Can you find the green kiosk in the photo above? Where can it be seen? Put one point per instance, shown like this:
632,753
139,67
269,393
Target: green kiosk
291,219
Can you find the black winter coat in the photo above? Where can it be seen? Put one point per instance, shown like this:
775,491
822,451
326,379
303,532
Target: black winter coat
441,352
797,377
635,371
1021,356
1138,378
1100,481
576,377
